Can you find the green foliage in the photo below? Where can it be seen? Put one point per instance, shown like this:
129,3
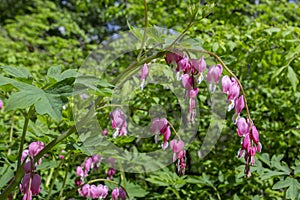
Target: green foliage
43,43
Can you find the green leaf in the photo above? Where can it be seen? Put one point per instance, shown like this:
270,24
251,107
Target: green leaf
21,100
54,72
135,190
49,104
155,181
293,78
18,72
278,72
282,184
272,30
45,103
264,158
215,47
270,173
293,191
297,170
46,165
6,175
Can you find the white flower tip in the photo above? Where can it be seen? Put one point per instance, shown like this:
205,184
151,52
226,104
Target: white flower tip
164,145
231,105
200,78
212,87
142,86
178,76
116,133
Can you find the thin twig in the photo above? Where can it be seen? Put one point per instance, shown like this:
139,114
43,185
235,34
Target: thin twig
145,31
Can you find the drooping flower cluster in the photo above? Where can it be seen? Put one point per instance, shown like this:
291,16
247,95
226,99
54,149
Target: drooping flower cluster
179,154
89,163
161,127
190,72
95,191
250,142
31,182
245,128
118,122
87,190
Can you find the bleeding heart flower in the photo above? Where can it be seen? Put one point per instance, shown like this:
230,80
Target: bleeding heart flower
115,193
243,127
118,122
35,148
239,106
226,83
213,76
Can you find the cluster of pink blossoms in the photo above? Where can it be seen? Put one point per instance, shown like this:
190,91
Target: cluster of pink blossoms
89,163
92,191
162,127
250,142
245,128
31,182
190,72
179,154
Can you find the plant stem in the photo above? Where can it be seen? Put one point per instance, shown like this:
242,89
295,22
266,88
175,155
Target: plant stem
145,31
174,130
54,178
11,132
27,118
65,178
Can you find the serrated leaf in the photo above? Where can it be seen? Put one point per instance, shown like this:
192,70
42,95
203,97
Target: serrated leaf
272,30
264,158
54,72
45,103
156,182
135,190
278,72
297,170
282,184
18,72
63,87
270,173
293,78
49,104
21,100
293,191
